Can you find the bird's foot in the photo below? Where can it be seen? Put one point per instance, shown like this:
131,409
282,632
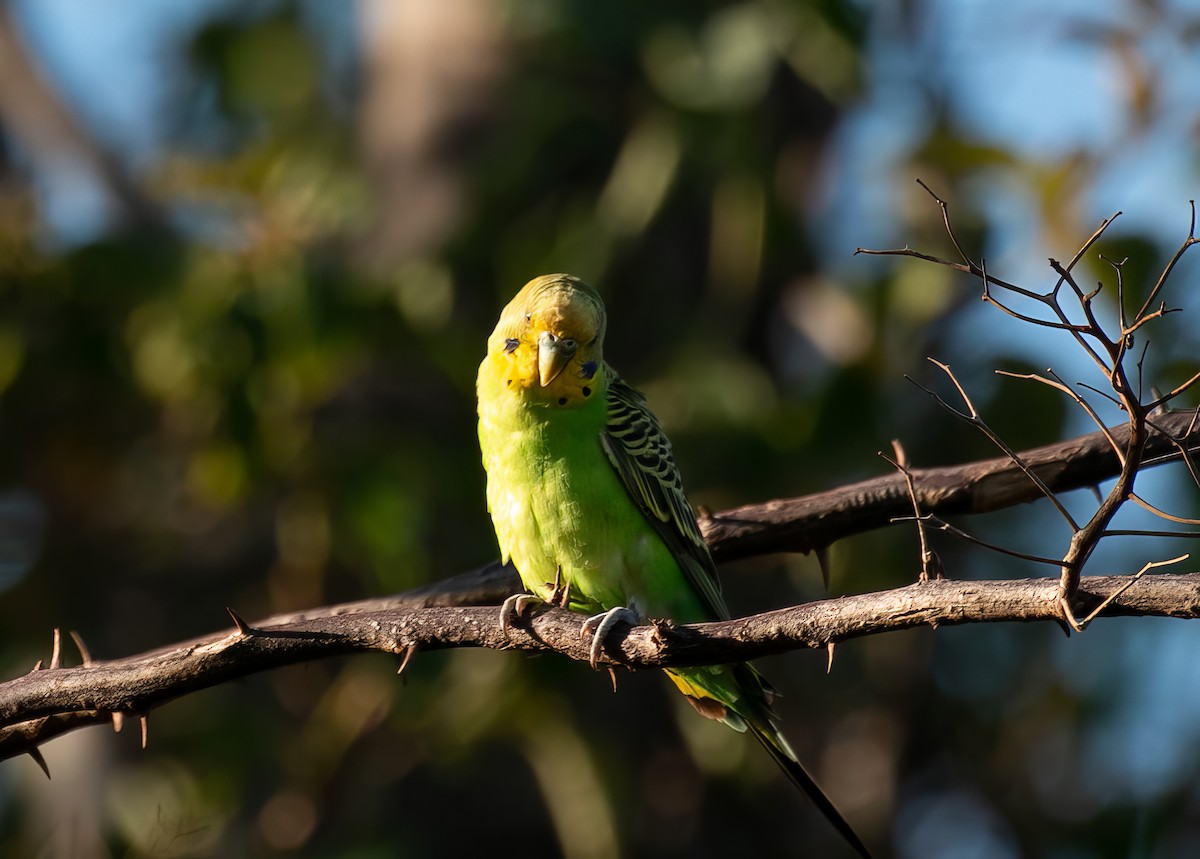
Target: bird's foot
561,594
600,625
513,607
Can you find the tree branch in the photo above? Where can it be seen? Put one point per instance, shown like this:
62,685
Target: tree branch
48,702
813,522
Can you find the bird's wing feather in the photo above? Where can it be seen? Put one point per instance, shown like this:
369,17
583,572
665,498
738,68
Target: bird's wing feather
640,452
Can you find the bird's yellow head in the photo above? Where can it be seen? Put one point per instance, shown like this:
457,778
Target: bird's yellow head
549,342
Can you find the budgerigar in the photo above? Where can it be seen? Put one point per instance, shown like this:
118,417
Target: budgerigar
587,502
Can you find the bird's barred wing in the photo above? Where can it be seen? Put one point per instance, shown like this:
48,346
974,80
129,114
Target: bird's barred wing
640,452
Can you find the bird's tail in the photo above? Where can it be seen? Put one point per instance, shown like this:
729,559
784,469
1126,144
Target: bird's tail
745,705
777,747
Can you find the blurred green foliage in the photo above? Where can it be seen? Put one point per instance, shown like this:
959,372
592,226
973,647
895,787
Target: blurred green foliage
269,404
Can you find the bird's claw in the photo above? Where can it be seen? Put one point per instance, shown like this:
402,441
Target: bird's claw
513,607
600,625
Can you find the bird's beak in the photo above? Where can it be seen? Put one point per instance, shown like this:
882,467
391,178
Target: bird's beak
554,353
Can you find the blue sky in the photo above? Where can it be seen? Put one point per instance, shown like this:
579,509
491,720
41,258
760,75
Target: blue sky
1016,74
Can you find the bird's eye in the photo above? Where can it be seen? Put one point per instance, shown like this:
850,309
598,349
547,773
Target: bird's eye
528,317
511,344
569,344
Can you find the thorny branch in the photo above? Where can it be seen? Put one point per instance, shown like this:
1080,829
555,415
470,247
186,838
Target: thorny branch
1109,351
45,703
813,522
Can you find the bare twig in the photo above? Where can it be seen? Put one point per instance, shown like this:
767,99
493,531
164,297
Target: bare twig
901,464
973,417
1162,514
1109,352
1108,600
947,528
1058,384
1170,266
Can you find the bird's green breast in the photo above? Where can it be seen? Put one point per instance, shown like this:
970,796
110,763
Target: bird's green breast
556,500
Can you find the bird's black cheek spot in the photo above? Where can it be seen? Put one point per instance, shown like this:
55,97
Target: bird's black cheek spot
511,344
588,369
508,381
587,392
562,401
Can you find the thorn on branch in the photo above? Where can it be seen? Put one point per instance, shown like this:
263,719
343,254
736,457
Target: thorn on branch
243,628
822,555
830,646
1158,407
36,753
56,650
84,653
409,650
118,721
144,719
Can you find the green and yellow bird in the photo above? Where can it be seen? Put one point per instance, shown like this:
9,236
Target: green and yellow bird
587,502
